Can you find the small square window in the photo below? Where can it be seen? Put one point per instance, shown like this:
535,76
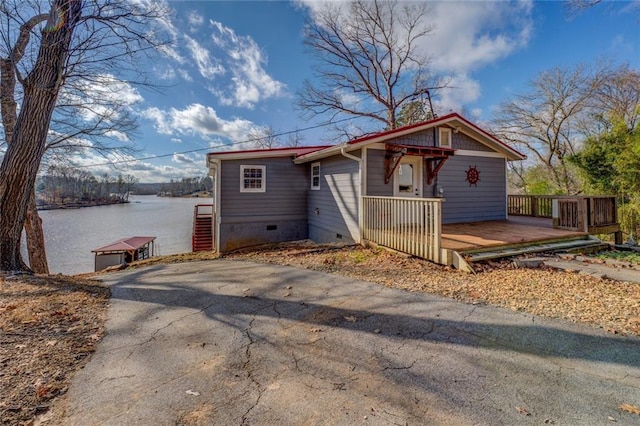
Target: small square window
315,176
253,178
445,137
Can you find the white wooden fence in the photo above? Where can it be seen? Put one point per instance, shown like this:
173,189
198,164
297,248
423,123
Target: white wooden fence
409,225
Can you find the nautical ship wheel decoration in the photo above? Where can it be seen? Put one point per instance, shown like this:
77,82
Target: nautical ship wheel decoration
473,176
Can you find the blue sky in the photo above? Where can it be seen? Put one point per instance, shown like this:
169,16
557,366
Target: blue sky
236,66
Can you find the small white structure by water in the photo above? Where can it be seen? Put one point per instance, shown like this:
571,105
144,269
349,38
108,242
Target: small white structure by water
123,251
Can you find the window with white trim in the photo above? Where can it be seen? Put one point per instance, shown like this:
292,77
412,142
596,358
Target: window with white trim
315,176
445,137
253,178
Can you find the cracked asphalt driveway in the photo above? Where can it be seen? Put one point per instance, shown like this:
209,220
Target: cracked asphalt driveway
232,342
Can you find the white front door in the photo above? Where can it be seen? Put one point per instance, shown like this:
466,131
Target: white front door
407,179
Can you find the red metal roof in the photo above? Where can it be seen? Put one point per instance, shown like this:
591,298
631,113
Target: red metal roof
125,244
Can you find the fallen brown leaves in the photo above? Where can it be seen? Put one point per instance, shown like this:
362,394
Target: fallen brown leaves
48,327
630,409
613,306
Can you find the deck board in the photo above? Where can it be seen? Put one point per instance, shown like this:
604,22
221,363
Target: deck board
515,230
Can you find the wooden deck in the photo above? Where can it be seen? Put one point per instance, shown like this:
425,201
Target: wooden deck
515,230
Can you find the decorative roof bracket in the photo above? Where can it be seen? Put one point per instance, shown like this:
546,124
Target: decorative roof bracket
435,158
433,167
391,161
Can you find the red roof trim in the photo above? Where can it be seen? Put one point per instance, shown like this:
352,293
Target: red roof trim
294,150
125,244
402,129
390,133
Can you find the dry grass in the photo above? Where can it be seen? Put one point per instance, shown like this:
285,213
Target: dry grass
48,328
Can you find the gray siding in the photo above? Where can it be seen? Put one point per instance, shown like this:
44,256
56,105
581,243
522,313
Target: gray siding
279,214
462,141
422,138
375,174
425,138
333,210
469,203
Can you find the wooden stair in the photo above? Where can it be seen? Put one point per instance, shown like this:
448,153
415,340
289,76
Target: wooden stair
202,235
573,245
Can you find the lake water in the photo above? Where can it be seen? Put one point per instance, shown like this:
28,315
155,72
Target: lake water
70,235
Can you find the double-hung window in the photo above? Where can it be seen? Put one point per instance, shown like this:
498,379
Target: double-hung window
253,178
315,176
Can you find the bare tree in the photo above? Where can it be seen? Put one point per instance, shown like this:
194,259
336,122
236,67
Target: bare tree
294,139
619,96
547,122
53,55
369,63
576,6
130,181
264,138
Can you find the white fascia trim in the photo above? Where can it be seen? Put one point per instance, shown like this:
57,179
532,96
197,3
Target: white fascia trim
490,143
323,153
216,203
470,153
251,155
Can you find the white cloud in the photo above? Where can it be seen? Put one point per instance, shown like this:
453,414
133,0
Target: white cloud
462,90
115,134
156,115
348,99
145,171
102,98
197,119
469,35
171,51
195,20
207,67
245,60
167,74
184,159
176,140
185,75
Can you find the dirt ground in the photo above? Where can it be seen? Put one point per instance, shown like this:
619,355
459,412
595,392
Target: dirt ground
50,325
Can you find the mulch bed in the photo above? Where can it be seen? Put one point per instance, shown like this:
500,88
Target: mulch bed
48,328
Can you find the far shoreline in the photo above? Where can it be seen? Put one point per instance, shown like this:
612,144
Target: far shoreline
80,204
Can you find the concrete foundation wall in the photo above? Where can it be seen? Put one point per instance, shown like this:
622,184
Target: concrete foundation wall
238,235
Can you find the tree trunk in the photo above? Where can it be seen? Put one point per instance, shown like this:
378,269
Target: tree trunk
8,110
24,153
35,238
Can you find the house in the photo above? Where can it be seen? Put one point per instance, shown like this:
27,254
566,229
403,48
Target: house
396,188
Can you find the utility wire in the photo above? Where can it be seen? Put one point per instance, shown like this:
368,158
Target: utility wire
222,145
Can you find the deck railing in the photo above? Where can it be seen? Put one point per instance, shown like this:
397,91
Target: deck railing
410,225
530,205
592,214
